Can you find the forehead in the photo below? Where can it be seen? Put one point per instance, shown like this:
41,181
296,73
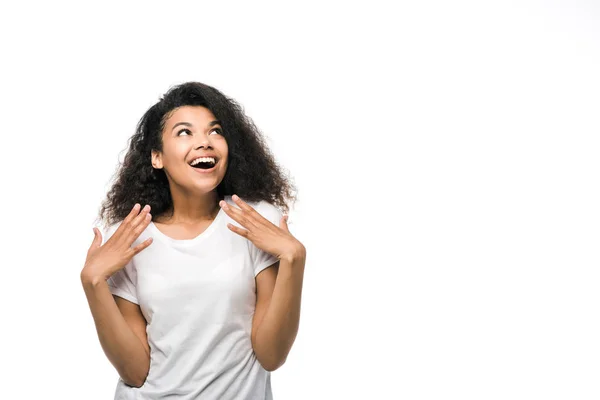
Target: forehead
193,114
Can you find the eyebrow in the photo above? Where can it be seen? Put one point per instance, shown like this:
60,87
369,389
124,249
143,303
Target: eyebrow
211,123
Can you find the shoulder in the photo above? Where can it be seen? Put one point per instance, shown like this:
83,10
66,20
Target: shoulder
263,207
268,210
110,230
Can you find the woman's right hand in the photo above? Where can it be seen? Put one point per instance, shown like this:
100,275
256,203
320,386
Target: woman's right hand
104,260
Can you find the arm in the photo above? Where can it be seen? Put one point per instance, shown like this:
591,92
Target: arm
277,315
120,338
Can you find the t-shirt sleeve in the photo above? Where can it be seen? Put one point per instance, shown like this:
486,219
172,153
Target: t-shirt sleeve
123,282
260,258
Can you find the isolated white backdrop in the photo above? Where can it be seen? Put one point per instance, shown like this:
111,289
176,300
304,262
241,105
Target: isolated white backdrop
446,156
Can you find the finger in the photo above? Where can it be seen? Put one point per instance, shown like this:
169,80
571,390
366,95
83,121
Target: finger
249,211
132,214
142,246
238,215
141,217
140,220
97,239
239,231
283,224
142,226
125,224
243,205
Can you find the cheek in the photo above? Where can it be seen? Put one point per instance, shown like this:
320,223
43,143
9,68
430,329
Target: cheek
224,150
225,163
225,156
175,159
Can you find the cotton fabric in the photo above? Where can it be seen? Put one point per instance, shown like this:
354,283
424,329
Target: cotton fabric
198,298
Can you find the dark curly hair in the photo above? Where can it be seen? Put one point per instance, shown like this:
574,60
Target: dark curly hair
252,172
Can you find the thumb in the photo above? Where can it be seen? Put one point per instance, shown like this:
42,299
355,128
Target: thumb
97,239
283,224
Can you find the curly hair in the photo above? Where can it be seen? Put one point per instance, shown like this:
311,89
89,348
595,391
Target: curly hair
252,172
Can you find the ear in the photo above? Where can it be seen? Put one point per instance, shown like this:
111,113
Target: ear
156,159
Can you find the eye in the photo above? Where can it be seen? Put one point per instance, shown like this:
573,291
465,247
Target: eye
218,130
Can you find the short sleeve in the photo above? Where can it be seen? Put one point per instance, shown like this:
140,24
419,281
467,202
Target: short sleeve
123,282
260,258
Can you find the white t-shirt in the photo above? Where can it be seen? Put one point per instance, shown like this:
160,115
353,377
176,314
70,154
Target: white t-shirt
198,297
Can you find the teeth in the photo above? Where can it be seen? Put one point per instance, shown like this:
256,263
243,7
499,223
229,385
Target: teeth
203,159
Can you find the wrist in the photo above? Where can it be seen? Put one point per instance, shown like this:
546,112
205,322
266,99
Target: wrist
90,277
294,255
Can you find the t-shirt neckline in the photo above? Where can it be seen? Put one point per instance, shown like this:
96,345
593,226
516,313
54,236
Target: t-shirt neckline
187,242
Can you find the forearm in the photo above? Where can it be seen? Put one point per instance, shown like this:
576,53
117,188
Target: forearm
279,327
121,346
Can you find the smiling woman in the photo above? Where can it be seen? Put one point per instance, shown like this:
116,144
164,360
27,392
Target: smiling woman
212,306
191,120
194,157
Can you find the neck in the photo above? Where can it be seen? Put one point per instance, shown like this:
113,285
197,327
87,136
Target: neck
194,208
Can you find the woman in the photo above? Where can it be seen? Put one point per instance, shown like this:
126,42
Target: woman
196,295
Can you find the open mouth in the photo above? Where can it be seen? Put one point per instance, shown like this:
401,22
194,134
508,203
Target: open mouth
206,164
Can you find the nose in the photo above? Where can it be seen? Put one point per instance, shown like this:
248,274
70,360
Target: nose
203,141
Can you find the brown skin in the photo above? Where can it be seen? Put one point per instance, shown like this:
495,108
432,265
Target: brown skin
195,199
121,324
279,288
195,205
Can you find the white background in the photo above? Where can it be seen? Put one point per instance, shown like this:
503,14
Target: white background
445,153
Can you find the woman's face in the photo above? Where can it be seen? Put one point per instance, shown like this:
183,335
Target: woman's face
191,132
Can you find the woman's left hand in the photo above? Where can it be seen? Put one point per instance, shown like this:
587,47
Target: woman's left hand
277,241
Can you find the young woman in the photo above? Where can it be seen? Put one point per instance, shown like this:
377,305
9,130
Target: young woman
195,286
